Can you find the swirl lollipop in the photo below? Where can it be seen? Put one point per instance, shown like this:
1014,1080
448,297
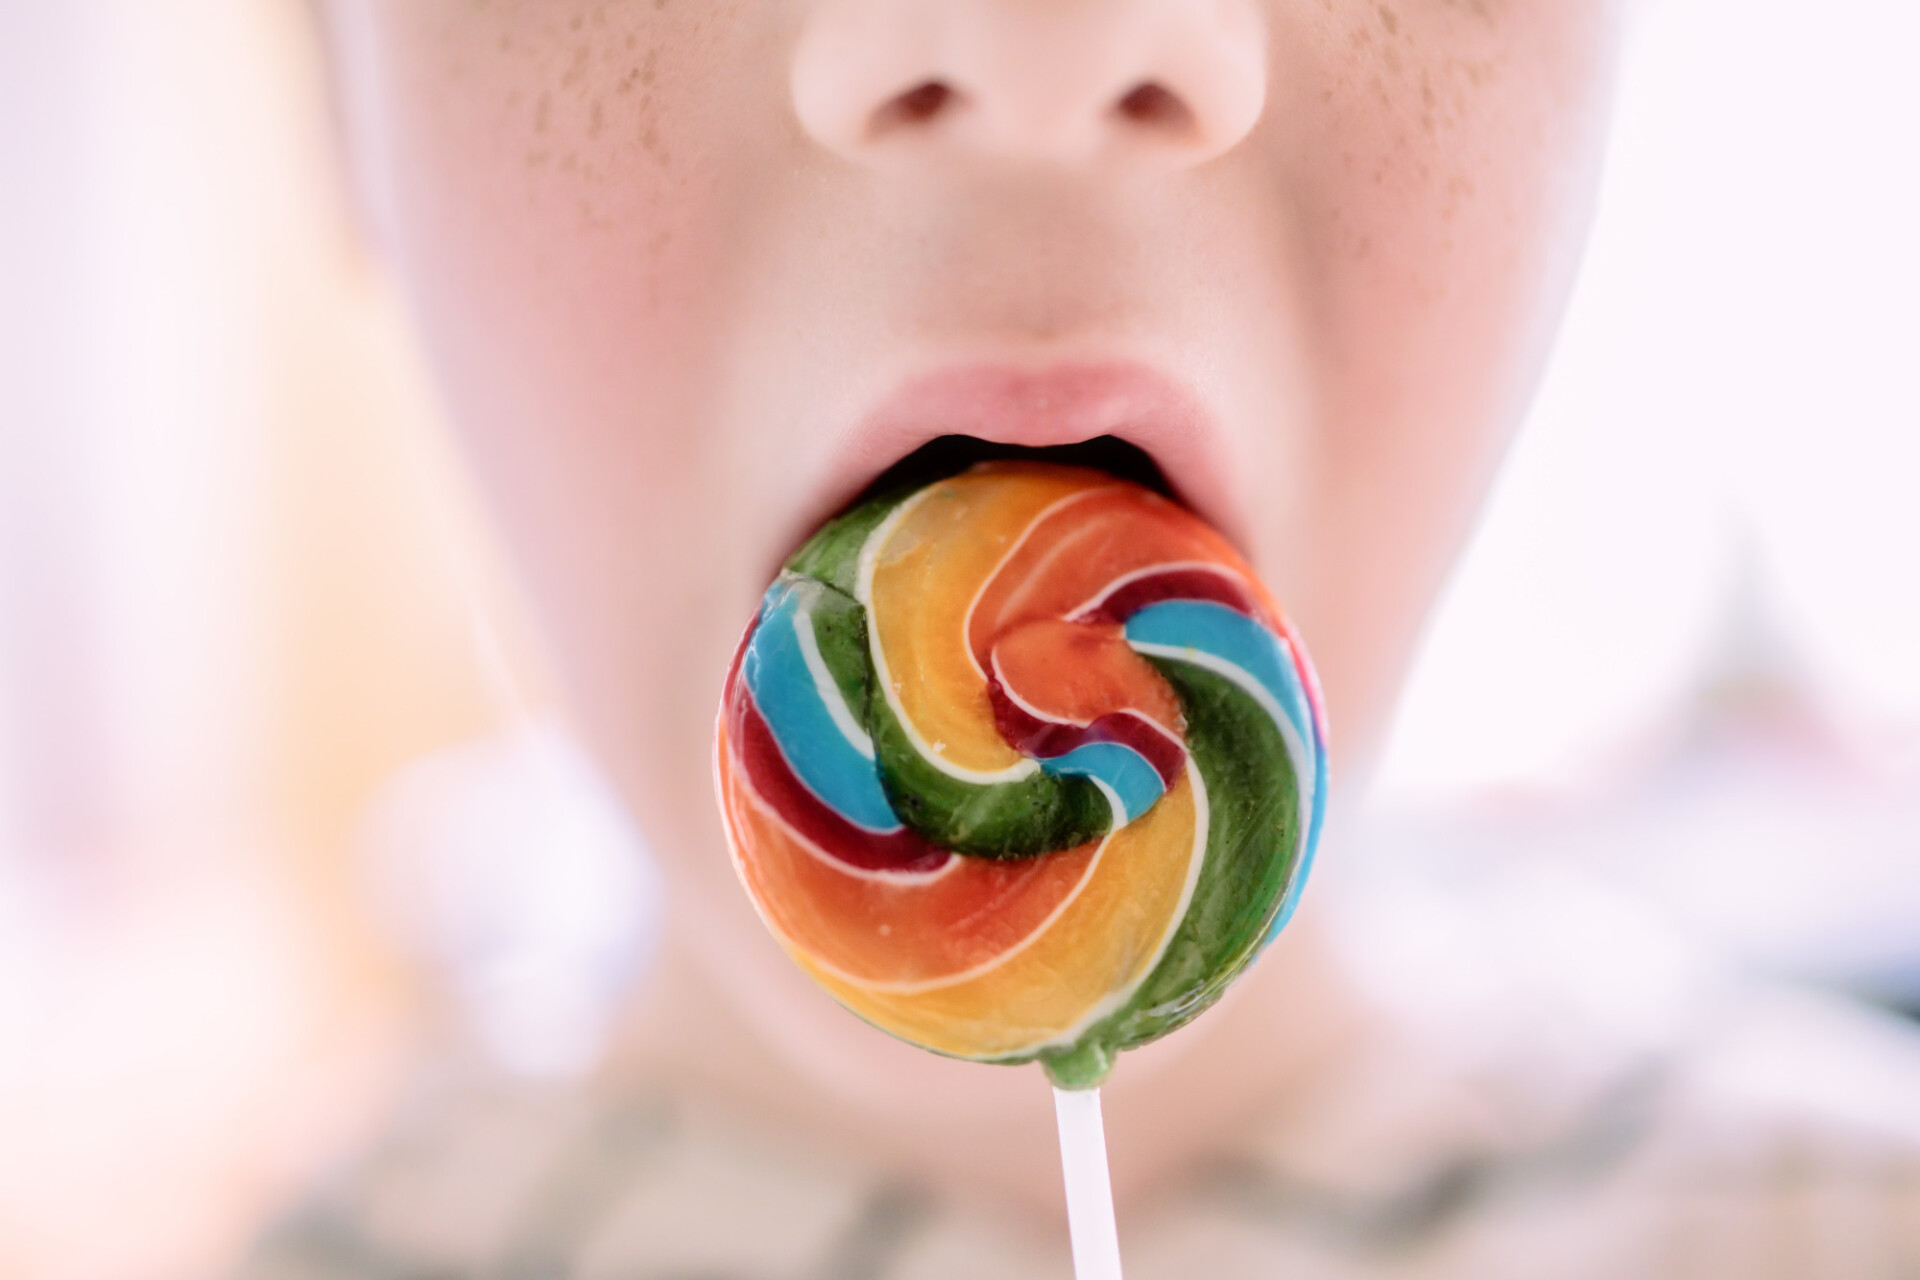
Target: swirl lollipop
1022,764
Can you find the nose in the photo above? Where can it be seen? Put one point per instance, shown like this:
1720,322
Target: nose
1071,81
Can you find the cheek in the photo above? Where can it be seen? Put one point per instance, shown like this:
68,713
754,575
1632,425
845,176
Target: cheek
561,188
1444,166
1454,161
514,158
555,195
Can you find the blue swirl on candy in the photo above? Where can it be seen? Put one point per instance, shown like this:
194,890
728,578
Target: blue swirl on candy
836,765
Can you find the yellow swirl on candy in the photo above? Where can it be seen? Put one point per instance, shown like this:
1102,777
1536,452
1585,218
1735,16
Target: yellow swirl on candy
1023,763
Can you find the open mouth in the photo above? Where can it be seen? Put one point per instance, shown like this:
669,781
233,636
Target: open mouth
945,456
1121,417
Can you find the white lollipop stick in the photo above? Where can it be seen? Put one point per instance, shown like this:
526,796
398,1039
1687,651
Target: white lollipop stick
1083,1159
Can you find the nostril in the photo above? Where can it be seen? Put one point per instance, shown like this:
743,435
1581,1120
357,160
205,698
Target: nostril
917,106
1156,107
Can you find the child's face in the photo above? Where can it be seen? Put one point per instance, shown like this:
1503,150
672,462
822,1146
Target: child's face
686,267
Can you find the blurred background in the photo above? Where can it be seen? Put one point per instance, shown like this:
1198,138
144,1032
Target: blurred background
281,798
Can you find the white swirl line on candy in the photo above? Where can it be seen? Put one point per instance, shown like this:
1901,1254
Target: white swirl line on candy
1020,702
1046,513
1038,714
1116,807
1170,566
825,685
883,675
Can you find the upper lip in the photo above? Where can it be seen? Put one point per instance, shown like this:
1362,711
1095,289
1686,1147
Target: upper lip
1061,403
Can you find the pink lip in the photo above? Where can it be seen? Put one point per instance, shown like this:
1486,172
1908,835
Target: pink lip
1060,404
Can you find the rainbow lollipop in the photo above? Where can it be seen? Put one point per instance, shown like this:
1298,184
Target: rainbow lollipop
1022,764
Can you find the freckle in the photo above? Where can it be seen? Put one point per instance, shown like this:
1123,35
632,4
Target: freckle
1364,248
1426,90
542,112
576,24
1390,20
1326,95
1426,121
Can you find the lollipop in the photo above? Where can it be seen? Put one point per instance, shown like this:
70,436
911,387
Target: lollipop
1022,764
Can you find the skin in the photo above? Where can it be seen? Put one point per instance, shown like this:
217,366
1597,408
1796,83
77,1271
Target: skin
665,254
